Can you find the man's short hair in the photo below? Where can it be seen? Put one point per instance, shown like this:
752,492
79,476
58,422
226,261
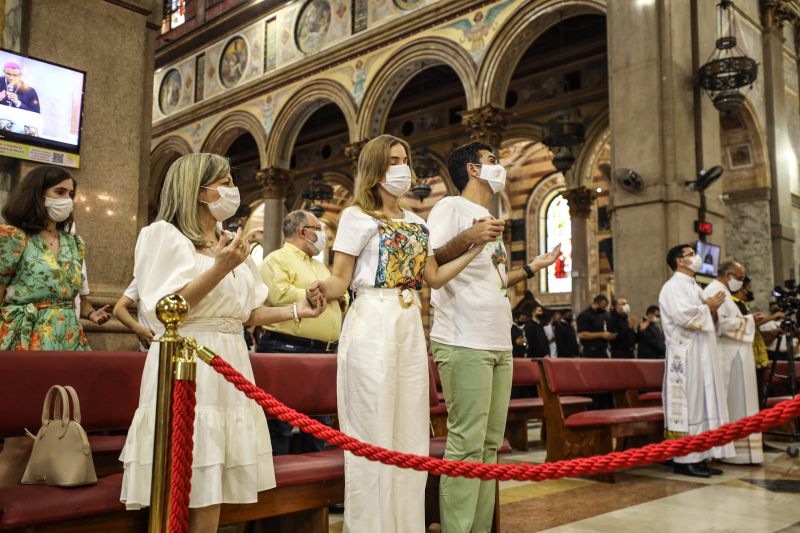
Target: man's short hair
600,298
458,159
293,222
675,253
726,267
652,309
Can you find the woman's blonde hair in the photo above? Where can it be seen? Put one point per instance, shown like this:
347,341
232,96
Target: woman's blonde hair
185,177
373,162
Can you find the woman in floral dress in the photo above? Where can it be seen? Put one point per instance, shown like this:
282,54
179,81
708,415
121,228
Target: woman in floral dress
41,267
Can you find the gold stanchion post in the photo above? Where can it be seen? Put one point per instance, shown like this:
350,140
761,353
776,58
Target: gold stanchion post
171,311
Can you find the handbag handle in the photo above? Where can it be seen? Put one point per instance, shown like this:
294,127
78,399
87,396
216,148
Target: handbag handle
61,408
76,405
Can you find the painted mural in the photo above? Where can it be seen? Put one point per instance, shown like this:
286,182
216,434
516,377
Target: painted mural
477,28
169,95
312,25
233,61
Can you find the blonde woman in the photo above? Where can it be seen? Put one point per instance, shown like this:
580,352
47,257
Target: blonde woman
382,252
183,252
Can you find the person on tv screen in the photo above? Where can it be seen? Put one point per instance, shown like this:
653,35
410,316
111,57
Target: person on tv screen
16,93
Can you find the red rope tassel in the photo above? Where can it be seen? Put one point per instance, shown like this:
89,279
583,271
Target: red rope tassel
584,466
181,469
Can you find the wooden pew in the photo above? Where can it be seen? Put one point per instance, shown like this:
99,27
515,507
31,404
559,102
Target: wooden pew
590,433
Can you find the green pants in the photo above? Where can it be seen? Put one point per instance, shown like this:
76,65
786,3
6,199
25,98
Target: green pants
477,387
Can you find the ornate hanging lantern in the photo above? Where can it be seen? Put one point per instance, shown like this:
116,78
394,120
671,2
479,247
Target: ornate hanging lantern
425,167
316,189
561,137
729,68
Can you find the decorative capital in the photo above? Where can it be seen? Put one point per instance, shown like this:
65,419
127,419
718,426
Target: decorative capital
580,201
275,182
773,14
353,150
486,124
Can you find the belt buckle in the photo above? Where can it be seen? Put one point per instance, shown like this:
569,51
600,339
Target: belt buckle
328,346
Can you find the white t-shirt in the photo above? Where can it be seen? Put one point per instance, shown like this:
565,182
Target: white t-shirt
472,310
388,255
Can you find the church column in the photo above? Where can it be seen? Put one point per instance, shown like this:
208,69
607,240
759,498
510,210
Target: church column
580,201
485,124
275,182
781,155
660,131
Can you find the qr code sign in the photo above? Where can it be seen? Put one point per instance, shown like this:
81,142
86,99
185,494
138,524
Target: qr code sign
58,159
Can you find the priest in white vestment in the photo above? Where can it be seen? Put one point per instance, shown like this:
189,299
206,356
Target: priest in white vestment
694,393
736,332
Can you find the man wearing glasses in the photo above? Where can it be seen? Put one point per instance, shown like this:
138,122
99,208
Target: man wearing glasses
736,332
287,273
694,391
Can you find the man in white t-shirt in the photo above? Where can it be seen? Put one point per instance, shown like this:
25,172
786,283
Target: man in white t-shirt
470,338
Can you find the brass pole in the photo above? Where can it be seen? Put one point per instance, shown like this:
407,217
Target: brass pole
171,311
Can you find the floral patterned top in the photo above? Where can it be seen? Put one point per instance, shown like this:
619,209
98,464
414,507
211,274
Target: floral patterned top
38,311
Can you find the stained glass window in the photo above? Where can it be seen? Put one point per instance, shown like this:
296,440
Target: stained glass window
174,14
556,227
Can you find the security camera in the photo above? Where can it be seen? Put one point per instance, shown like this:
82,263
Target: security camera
629,180
705,178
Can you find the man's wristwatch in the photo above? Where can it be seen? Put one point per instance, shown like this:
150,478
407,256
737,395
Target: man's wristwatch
528,271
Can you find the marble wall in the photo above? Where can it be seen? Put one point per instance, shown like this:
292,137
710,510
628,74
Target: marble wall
747,235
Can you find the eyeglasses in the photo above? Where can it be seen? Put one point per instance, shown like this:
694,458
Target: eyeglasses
315,228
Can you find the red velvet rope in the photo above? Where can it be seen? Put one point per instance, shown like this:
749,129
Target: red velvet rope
183,404
583,466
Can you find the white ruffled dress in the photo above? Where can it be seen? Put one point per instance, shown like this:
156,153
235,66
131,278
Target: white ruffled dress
232,453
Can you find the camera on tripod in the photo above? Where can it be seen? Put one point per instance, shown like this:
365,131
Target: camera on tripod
788,299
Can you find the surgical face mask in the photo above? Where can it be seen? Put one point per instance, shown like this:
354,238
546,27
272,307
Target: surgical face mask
495,175
695,263
227,205
320,243
58,209
626,309
398,180
734,285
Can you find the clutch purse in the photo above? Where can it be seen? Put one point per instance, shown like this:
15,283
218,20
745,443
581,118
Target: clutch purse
61,455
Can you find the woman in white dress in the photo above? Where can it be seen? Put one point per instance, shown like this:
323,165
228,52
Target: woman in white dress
382,252
184,252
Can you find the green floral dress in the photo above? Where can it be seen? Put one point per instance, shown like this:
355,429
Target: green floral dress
39,308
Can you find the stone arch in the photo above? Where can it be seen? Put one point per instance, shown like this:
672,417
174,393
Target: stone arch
296,111
744,156
401,67
517,35
233,125
162,156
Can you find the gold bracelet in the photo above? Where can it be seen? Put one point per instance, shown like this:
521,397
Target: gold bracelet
295,314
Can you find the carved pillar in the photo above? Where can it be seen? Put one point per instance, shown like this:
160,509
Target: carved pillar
275,182
773,16
580,202
486,124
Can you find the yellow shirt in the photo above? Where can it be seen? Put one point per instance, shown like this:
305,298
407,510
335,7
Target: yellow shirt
288,272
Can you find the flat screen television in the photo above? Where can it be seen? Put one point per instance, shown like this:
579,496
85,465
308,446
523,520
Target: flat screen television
709,253
41,109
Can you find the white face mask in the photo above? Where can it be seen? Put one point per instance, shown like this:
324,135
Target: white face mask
398,180
227,205
626,309
495,175
58,209
320,243
695,263
734,285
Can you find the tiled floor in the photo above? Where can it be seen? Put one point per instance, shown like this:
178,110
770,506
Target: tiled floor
751,499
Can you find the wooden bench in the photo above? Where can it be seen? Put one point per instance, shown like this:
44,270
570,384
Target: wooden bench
108,386
522,410
590,433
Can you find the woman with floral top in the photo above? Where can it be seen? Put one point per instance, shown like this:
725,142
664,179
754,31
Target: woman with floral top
382,253
41,267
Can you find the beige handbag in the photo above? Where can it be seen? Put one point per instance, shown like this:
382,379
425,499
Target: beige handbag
61,454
